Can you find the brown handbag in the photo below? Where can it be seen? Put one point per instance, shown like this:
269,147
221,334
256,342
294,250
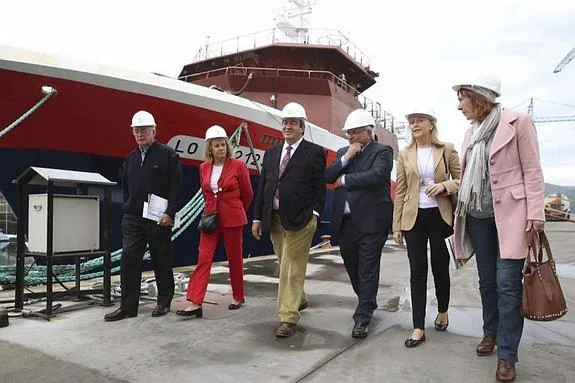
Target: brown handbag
543,298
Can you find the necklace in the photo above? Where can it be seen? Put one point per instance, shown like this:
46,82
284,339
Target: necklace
422,171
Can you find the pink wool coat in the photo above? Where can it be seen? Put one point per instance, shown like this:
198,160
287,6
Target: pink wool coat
516,184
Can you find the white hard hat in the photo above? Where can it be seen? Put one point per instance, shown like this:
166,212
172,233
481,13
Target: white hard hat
143,118
294,110
215,131
490,82
357,119
422,111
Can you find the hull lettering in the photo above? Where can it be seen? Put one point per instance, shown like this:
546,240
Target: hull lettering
193,148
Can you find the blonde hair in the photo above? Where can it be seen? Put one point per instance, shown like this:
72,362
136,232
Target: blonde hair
209,156
434,135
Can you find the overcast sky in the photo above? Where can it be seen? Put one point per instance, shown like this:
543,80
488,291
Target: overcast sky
419,48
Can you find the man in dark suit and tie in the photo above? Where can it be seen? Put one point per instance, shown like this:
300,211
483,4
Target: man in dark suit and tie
290,197
362,210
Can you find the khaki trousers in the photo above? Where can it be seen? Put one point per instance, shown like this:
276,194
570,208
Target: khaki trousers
292,249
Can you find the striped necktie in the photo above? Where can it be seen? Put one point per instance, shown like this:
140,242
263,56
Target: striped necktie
283,165
285,160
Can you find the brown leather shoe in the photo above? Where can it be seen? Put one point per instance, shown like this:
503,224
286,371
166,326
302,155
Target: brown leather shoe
285,329
505,371
486,346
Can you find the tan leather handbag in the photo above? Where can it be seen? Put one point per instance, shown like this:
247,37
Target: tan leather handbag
543,298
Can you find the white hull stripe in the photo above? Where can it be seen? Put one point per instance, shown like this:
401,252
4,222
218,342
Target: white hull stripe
37,63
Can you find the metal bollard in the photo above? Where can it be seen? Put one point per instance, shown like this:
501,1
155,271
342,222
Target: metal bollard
184,285
4,322
325,240
152,290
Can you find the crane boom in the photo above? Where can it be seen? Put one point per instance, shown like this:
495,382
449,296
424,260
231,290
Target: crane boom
554,119
565,61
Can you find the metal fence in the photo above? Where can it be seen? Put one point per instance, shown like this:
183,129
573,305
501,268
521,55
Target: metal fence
7,217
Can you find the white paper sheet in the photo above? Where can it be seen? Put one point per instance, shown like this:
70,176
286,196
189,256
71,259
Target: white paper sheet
155,207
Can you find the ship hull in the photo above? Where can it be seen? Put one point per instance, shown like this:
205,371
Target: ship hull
85,127
185,246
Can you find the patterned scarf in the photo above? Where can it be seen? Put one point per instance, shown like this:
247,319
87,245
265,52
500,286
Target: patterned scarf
475,180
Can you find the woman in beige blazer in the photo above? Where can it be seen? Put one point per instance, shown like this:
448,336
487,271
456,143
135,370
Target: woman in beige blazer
427,174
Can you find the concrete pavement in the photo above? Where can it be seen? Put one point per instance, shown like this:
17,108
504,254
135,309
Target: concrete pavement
239,346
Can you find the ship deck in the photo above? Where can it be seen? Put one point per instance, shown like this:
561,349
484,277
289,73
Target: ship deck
239,346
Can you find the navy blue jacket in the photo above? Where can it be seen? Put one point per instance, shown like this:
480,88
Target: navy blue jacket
160,174
367,188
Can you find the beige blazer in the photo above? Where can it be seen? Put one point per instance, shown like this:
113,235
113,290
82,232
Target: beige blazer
406,202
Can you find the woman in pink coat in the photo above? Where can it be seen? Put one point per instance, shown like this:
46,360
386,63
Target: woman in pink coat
500,203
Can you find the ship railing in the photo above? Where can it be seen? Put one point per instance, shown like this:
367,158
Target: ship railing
270,72
385,119
312,36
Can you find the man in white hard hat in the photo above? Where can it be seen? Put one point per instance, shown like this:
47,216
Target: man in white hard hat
151,168
362,210
290,197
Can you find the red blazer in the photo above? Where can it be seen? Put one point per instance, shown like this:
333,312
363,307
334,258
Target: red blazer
235,192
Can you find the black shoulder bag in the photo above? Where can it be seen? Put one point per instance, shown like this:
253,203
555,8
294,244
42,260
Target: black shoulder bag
208,222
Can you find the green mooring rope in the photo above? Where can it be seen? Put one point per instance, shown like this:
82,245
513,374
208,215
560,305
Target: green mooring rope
94,268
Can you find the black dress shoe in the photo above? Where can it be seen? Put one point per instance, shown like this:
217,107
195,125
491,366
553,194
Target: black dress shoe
161,310
360,330
235,306
190,313
411,343
119,314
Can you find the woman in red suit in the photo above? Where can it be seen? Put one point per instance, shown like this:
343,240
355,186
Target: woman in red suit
227,191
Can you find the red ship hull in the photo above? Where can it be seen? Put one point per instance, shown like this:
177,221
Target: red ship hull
85,127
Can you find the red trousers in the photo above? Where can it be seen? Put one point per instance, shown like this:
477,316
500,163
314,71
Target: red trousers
233,238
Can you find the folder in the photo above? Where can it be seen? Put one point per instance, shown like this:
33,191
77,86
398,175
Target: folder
457,263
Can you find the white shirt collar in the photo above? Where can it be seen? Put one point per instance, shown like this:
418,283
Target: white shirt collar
293,146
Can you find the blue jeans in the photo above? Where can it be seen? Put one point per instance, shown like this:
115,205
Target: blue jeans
500,287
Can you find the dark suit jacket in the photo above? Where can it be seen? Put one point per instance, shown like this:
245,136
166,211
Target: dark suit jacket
302,186
367,188
235,192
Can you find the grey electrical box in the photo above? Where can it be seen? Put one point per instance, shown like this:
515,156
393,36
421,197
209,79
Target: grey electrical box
76,223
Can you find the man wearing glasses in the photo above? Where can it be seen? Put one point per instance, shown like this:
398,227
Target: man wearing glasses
362,210
151,168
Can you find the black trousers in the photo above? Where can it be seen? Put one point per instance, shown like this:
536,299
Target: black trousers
138,232
361,253
429,226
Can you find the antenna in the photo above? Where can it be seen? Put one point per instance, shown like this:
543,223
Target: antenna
296,33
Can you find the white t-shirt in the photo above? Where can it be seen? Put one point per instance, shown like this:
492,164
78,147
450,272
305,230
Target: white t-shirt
216,173
425,166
